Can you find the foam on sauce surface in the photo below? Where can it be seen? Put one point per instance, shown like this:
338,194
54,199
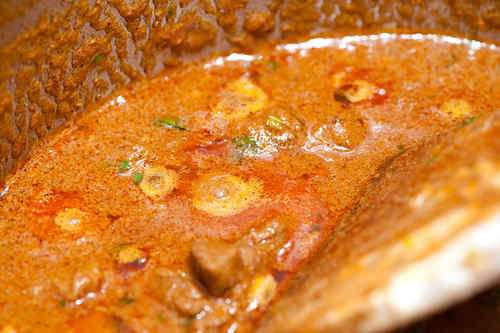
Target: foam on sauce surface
263,152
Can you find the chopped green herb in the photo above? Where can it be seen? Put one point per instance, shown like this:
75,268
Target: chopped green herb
98,59
469,120
245,144
169,123
275,122
62,303
126,300
124,166
137,177
170,12
273,65
161,317
432,159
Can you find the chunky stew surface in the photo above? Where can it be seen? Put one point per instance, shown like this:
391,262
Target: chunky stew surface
186,203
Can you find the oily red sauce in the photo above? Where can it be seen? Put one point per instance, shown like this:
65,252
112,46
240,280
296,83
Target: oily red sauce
116,221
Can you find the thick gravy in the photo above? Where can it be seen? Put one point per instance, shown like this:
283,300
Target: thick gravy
186,203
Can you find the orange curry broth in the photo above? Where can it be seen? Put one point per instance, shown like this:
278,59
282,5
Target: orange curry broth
301,131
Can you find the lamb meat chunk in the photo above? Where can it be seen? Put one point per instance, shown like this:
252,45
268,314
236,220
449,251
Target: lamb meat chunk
177,289
219,265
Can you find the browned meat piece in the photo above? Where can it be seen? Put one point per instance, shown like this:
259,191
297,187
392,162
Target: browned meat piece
177,289
220,265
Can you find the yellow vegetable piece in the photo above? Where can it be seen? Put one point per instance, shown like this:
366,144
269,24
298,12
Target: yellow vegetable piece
129,254
158,181
457,108
261,291
240,99
70,219
357,91
225,195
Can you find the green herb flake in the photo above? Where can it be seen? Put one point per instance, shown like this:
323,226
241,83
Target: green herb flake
98,59
170,12
137,177
169,123
432,159
126,300
245,144
275,122
161,318
273,65
62,303
469,120
124,166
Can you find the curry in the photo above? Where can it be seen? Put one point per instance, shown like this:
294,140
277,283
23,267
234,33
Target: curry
188,202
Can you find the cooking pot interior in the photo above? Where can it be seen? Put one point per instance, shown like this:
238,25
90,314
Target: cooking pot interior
409,244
